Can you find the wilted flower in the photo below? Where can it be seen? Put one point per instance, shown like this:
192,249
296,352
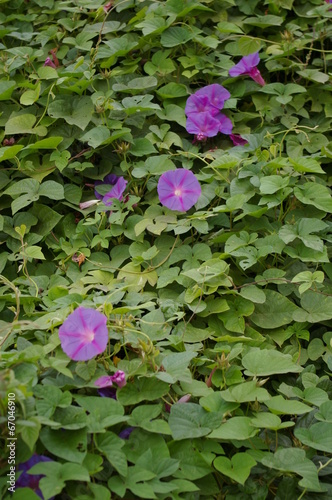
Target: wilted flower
119,378
31,480
248,66
178,189
238,140
107,6
84,334
49,62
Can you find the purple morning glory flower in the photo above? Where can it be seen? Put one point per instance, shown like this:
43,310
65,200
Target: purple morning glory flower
202,125
199,104
215,93
49,62
209,98
178,189
119,185
110,179
119,378
238,140
84,334
31,480
225,124
116,192
248,66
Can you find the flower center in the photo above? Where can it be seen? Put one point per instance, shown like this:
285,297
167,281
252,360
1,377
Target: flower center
89,336
177,192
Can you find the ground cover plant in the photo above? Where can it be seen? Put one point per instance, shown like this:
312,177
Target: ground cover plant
165,228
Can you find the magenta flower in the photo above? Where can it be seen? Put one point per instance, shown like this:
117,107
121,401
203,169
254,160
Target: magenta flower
31,480
178,189
119,378
84,334
49,62
248,66
238,140
116,192
107,6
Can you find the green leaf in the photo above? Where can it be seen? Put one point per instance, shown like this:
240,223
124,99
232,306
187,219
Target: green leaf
265,362
175,365
276,311
143,389
34,252
235,428
30,432
176,36
9,152
110,445
318,436
325,412
69,445
281,406
306,165
244,392
48,143
295,460
172,90
75,110
238,468
316,307
96,136
253,293
30,96
52,190
23,124
265,420
314,194
190,420
6,89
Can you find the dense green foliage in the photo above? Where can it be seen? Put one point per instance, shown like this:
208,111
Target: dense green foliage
230,303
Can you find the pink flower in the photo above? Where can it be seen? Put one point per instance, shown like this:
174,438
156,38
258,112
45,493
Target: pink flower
178,189
118,378
247,66
107,6
84,334
49,62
